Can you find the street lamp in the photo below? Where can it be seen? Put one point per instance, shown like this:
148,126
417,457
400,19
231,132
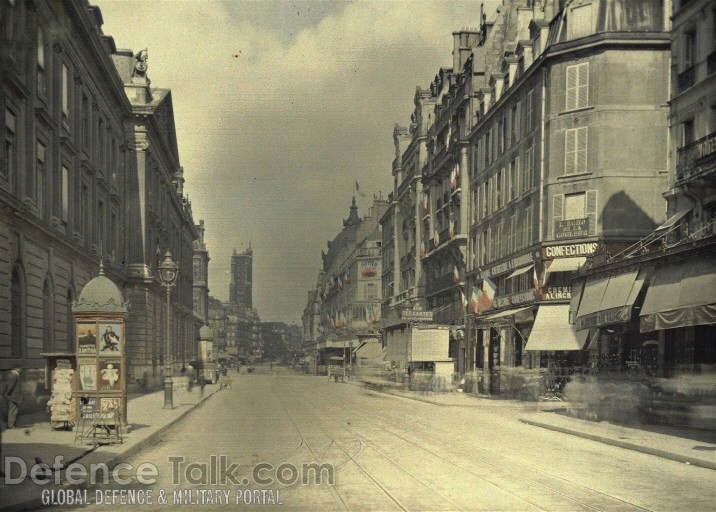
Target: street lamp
168,273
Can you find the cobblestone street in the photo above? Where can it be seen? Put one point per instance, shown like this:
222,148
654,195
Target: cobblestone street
392,453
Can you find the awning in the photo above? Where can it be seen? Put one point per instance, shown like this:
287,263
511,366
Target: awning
520,271
592,336
682,294
566,264
618,297
671,221
552,330
502,314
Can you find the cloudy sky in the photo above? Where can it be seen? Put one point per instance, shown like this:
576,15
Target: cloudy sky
280,107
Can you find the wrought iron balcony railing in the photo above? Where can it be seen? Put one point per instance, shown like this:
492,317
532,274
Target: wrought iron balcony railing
692,157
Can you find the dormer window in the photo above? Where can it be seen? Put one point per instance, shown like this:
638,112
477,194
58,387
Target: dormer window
580,21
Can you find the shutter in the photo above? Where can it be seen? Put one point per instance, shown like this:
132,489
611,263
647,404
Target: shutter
557,211
582,85
518,185
590,210
581,149
571,87
570,146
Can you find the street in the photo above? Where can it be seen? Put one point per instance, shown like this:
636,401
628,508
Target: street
394,453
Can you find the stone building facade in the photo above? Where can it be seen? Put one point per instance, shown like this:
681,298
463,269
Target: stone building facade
160,220
76,188
547,189
62,199
241,285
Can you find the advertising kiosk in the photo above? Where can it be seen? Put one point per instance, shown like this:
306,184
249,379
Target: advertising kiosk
100,391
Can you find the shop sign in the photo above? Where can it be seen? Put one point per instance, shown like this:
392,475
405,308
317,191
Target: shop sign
416,316
571,228
506,266
369,268
569,250
610,316
557,293
514,299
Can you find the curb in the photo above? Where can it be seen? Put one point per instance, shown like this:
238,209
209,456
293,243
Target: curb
624,444
36,503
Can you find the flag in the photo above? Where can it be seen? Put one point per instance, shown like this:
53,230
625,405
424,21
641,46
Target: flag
535,279
453,177
545,276
487,295
436,237
426,200
474,300
451,229
455,274
463,299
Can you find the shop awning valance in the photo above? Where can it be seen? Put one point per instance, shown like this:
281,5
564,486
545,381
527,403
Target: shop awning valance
552,330
618,294
520,271
502,314
566,264
682,294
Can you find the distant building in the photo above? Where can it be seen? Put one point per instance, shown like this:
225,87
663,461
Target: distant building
346,306
241,287
201,277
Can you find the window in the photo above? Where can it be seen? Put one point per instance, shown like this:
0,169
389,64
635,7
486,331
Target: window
69,340
500,136
10,149
575,150
100,142
487,148
84,210
41,74
100,227
579,21
41,176
17,313
65,194
574,206
688,132
113,242
85,121
515,123
514,180
65,91
529,105
48,333
689,48
577,88
527,180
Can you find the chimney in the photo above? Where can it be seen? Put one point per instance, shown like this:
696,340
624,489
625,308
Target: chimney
512,62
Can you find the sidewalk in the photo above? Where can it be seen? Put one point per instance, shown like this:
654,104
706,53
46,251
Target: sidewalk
677,444
34,438
671,443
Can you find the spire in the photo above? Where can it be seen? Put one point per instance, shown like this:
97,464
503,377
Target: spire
352,214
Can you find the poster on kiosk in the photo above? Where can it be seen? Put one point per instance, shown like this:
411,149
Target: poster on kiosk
100,390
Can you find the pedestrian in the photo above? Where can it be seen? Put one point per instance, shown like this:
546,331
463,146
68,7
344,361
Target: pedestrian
13,396
202,385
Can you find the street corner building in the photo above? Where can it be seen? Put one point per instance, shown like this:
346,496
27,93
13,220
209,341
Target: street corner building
89,173
342,315
547,148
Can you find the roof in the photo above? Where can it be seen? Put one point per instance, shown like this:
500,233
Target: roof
101,295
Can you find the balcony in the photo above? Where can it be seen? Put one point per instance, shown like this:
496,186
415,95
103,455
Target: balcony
693,157
438,284
686,79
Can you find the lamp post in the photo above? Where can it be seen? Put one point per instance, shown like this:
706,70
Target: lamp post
168,273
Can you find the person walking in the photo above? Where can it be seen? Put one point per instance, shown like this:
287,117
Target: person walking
13,396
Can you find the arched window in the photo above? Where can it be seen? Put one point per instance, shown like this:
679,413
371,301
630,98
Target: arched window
48,317
69,340
17,313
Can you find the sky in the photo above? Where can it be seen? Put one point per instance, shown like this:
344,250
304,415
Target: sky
280,107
